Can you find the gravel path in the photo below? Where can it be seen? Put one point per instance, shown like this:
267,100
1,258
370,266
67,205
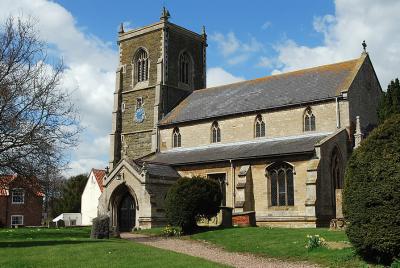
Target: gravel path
211,252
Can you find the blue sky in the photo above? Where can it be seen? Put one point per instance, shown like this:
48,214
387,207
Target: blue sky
247,39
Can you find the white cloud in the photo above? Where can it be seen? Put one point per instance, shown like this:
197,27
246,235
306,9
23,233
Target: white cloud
227,44
217,76
266,25
234,50
90,74
354,21
265,62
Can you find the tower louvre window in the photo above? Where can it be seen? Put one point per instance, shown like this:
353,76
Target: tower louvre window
141,66
184,68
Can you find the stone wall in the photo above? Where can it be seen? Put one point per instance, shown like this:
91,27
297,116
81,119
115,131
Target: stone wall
265,213
179,42
279,123
364,95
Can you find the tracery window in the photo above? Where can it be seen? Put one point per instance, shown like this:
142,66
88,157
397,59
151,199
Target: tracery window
309,120
184,68
141,66
215,133
281,184
259,127
176,138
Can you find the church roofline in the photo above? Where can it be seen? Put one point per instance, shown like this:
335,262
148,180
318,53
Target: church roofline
300,87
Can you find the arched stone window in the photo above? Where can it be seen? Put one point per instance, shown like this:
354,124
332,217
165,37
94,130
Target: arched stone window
176,138
141,66
215,132
185,74
281,184
336,169
309,120
259,127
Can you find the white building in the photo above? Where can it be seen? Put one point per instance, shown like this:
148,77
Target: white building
70,219
91,194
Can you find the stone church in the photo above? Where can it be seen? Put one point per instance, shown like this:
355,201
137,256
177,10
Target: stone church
278,145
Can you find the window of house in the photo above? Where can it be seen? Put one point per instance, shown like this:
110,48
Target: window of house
17,220
73,223
184,68
281,184
17,196
215,133
176,138
141,66
259,127
309,120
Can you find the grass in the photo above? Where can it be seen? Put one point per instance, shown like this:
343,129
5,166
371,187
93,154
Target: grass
71,247
283,243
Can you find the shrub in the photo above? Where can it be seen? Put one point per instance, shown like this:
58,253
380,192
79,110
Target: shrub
171,231
190,199
371,196
315,241
100,227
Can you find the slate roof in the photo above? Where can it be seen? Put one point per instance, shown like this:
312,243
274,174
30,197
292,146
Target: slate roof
154,169
258,148
99,175
298,87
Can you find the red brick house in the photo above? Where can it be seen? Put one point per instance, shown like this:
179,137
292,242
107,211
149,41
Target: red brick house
21,202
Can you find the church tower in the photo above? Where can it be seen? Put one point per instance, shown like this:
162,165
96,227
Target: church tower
159,65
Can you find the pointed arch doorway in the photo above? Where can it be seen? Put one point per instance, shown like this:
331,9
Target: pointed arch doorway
126,213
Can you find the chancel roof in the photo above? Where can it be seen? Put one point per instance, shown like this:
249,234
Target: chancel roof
258,148
298,87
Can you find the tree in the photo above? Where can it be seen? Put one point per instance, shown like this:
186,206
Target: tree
390,101
190,199
371,197
37,119
70,200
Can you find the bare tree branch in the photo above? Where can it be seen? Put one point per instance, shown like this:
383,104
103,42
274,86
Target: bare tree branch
38,121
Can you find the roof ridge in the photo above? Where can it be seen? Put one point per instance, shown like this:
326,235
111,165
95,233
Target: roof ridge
281,74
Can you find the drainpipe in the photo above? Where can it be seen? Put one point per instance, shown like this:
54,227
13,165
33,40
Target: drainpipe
233,177
337,112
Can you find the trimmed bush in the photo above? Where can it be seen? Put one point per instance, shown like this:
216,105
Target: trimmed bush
371,196
101,227
190,199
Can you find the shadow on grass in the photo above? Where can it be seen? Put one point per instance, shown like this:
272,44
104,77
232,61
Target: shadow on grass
23,244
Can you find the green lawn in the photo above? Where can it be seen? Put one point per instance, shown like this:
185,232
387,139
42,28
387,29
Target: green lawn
282,243
71,247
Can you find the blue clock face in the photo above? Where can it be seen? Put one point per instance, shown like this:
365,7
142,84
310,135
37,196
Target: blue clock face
139,115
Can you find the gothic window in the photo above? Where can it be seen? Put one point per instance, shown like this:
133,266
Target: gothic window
176,138
281,184
184,68
215,133
141,66
123,107
259,127
336,168
309,120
